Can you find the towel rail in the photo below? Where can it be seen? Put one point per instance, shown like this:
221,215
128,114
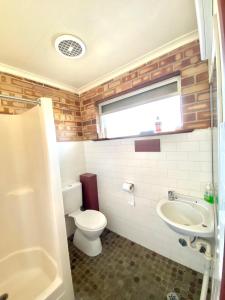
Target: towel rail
22,100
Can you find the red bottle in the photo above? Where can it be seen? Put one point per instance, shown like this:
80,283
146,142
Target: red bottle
158,124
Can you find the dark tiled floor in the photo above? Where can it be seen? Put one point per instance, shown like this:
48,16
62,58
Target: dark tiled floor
127,271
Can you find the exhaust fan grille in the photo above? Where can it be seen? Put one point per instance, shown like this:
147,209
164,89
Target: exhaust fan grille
69,46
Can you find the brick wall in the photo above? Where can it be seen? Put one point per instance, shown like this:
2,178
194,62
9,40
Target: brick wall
194,82
66,105
76,117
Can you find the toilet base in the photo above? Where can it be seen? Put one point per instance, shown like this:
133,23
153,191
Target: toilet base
91,247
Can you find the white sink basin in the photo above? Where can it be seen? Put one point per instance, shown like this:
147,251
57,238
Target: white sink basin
188,216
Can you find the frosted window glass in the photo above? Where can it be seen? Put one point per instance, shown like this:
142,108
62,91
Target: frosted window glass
139,119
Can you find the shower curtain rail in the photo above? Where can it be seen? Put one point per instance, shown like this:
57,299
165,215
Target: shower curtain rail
22,100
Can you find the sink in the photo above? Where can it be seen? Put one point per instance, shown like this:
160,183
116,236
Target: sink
188,216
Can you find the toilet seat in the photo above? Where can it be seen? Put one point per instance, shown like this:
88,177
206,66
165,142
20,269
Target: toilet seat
90,220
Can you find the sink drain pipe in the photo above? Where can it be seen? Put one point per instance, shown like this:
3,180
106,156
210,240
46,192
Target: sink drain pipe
205,282
204,248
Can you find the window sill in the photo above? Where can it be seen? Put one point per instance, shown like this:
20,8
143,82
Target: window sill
145,135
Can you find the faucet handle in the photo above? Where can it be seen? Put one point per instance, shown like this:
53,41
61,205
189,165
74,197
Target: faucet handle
172,195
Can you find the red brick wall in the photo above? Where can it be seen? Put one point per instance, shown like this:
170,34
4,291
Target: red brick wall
76,117
66,105
194,82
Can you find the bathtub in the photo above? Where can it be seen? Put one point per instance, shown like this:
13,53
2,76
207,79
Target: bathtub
29,274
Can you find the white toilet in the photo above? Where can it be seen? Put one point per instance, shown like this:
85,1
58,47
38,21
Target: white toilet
90,223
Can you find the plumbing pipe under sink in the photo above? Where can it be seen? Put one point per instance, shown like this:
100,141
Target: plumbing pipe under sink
205,282
197,246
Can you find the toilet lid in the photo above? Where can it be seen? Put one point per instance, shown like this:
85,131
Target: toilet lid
91,220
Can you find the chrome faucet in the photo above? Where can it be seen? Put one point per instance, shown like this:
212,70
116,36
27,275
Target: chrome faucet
172,195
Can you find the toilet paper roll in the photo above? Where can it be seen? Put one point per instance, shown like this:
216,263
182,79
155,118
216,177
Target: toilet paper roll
128,187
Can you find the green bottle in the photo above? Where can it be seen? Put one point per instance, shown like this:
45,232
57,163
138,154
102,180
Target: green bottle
208,195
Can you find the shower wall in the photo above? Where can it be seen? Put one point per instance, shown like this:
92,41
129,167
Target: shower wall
25,212
17,196
42,210
31,206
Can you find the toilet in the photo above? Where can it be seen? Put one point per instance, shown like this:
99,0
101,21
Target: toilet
89,223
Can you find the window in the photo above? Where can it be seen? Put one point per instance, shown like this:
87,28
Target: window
136,113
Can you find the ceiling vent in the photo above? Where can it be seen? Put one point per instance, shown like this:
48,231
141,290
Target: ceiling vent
69,46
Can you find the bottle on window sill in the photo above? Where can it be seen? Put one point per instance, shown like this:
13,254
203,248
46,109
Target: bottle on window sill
158,125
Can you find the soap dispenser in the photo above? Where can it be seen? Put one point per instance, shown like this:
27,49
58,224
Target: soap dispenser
208,194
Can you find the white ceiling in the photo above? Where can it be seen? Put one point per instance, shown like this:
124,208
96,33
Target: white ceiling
115,32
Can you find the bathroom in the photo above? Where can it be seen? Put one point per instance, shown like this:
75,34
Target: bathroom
112,150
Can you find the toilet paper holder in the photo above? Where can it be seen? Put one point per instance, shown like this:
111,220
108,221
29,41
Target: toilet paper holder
128,187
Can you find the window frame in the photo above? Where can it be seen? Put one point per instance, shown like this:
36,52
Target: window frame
139,91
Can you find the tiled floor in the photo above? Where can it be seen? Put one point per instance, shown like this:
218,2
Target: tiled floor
127,271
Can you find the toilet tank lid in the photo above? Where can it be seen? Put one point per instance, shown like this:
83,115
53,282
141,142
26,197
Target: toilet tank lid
70,186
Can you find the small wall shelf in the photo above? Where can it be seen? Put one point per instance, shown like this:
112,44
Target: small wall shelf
146,135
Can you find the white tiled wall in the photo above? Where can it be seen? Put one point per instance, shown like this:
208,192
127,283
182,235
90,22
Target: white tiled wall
183,165
72,161
72,164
